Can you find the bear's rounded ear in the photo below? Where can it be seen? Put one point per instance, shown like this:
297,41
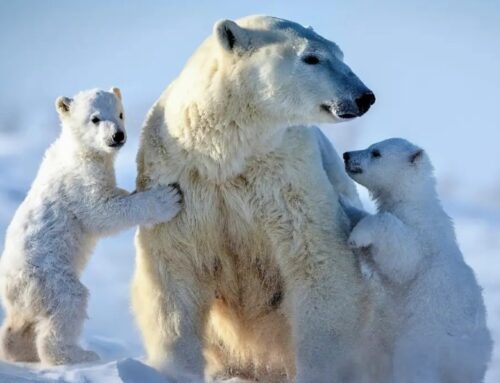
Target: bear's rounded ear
117,92
63,104
231,36
416,156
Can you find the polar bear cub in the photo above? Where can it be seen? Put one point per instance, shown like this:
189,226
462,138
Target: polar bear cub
72,202
440,328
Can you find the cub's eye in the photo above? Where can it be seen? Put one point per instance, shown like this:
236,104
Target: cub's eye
311,60
376,153
95,120
121,116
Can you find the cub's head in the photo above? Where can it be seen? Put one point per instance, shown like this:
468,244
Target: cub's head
94,119
391,166
277,70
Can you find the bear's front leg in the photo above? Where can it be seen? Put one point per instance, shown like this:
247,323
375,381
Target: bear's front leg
168,306
393,245
364,233
121,210
323,287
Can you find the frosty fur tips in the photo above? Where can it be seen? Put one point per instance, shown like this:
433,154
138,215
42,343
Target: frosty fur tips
438,320
254,277
72,202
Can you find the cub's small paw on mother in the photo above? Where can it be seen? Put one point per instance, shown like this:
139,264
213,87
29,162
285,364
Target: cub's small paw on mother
360,240
176,189
363,234
166,202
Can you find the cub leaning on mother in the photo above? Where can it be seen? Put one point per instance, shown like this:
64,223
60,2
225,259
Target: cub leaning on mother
254,277
439,318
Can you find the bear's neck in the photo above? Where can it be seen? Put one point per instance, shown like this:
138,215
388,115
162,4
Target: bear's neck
394,202
410,195
219,138
424,214
420,207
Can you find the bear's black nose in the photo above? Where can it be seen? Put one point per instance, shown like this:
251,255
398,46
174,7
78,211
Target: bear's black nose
364,102
118,137
346,156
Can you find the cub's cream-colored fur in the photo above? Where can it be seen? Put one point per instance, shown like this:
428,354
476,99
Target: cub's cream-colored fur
72,202
254,277
438,321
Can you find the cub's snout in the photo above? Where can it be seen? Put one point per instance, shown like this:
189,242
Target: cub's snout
118,139
351,166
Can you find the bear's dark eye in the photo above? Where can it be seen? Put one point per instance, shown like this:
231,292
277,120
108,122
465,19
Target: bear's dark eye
121,116
376,153
95,120
311,59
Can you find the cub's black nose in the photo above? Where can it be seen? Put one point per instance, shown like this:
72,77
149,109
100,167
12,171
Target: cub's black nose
118,137
364,102
346,156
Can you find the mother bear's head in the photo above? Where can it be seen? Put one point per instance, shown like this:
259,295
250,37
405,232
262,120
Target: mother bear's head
302,72
252,78
282,68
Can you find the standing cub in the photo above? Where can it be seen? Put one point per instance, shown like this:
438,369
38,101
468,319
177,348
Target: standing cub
72,202
440,330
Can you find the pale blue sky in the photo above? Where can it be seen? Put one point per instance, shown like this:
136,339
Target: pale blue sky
434,65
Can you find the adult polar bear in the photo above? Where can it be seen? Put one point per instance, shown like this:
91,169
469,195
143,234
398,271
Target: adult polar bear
254,277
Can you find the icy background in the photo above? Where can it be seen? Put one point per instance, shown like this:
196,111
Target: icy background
434,66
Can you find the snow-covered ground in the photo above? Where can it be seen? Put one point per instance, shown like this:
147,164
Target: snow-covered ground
432,64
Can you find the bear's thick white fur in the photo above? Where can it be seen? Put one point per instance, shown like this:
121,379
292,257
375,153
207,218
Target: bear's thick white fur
73,201
254,277
438,319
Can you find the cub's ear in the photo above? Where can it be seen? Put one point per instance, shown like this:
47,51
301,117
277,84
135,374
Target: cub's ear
416,156
63,104
231,37
117,92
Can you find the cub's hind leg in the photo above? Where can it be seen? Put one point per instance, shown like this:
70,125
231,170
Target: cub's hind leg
58,330
17,339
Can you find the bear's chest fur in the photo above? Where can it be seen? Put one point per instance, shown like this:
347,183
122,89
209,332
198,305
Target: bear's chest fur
223,232
226,242
228,233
